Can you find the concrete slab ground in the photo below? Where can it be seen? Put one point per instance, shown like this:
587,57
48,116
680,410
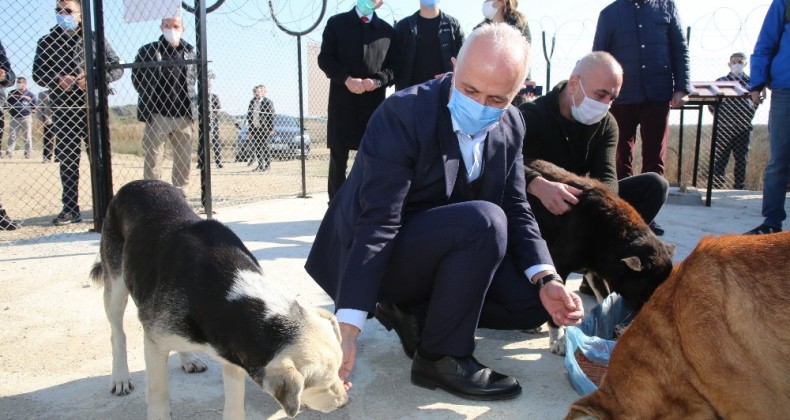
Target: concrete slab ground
55,340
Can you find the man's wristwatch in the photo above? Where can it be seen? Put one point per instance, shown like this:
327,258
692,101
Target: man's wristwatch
378,83
547,278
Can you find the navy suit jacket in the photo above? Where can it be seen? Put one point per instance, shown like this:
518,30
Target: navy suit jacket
408,162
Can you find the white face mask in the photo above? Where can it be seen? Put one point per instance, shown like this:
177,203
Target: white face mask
172,36
589,112
737,69
489,11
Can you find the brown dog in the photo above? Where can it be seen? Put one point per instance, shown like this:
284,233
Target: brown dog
712,342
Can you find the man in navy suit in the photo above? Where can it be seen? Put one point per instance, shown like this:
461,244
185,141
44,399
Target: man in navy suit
434,225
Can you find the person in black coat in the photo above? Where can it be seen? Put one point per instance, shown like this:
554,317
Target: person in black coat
356,56
432,230
424,45
572,127
59,65
260,119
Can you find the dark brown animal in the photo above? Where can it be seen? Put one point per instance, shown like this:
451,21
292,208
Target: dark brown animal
712,342
602,235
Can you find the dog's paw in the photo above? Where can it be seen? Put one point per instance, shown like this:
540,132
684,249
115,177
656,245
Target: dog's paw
122,386
191,363
536,330
557,340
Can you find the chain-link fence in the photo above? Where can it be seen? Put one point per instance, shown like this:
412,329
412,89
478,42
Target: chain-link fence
154,130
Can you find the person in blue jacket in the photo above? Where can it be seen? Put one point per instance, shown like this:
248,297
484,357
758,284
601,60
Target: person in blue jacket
771,69
432,231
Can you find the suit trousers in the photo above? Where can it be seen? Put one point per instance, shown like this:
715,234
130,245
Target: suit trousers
449,266
652,118
71,128
48,142
179,130
338,163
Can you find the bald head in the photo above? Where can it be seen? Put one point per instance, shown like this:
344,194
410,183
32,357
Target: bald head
598,62
597,76
497,54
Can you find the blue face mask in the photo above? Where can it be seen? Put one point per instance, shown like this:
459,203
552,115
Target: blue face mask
366,7
429,3
471,117
66,22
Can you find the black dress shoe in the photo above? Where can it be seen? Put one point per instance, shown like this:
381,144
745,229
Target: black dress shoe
463,377
656,228
406,326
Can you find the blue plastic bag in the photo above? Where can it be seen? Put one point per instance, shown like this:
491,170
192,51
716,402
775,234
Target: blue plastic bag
594,338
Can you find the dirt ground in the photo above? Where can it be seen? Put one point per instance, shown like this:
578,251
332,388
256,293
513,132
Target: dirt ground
55,340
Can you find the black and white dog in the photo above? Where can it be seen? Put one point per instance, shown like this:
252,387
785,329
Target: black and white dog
199,289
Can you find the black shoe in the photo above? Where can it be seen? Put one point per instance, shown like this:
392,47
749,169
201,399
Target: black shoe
67,217
261,168
656,228
763,229
6,222
219,165
585,288
463,377
406,326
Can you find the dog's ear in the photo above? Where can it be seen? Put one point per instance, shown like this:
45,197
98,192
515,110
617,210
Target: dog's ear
285,384
634,263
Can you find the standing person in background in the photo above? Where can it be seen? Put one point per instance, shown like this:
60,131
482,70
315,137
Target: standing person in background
734,129
7,78
166,103
214,107
22,104
424,44
356,56
771,68
647,39
59,65
45,117
260,120
507,11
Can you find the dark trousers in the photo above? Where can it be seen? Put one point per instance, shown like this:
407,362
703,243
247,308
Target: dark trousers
449,267
338,163
652,119
2,122
48,142
736,142
70,127
260,146
646,193
215,144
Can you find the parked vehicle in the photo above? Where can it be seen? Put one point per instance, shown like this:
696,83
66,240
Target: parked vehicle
284,144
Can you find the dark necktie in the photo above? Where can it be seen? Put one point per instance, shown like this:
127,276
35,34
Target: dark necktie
364,19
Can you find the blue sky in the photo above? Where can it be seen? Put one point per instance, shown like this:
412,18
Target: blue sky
246,48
